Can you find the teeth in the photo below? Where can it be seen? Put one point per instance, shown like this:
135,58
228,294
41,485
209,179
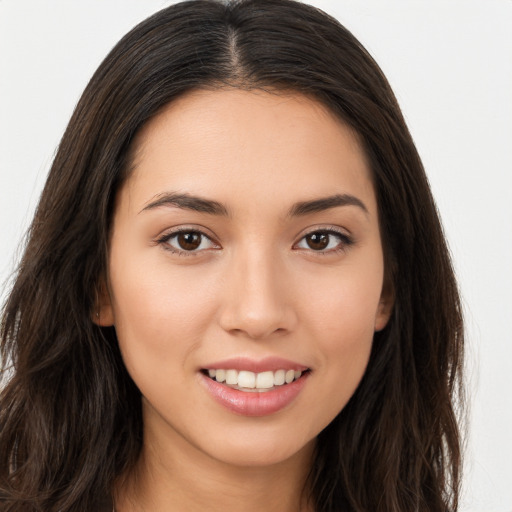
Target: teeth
231,377
265,380
279,377
246,379
254,381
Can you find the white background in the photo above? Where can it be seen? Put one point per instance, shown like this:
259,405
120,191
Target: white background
450,64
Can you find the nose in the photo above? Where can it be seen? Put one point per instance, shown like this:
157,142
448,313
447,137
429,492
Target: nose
257,300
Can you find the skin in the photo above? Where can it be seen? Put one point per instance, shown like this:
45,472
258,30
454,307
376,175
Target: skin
253,288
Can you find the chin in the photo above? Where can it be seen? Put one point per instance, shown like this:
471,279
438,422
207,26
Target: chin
260,451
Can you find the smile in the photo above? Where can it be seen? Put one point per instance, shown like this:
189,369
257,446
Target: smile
248,381
254,388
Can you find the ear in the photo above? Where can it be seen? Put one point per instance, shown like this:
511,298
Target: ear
385,308
103,313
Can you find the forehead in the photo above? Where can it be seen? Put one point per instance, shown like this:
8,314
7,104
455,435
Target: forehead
236,144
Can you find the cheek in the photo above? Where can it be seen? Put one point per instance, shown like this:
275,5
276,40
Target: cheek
342,311
158,313
343,339
345,302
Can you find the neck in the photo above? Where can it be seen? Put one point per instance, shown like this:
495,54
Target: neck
175,478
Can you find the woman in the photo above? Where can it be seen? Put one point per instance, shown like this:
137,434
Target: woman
236,289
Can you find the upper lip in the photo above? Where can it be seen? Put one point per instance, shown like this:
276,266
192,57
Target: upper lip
256,365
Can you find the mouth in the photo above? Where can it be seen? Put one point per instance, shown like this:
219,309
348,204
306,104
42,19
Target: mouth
252,382
255,387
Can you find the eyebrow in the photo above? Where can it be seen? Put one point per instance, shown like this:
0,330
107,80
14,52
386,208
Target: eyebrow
199,204
186,202
325,203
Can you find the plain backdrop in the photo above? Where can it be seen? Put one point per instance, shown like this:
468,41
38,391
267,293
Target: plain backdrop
450,64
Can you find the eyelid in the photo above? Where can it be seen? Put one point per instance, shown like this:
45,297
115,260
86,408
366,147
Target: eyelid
166,235
346,238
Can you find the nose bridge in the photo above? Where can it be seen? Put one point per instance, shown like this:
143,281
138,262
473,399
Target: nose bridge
257,300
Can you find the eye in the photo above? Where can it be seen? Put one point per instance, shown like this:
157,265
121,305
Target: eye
187,241
324,241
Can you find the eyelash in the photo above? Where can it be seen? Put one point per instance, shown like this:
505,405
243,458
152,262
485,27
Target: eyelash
344,241
165,239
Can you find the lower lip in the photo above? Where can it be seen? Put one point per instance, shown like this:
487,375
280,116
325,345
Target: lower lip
255,403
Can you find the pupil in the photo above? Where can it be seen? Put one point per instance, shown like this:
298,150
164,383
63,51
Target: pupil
189,241
318,241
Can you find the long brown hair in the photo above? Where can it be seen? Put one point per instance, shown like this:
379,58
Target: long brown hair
70,416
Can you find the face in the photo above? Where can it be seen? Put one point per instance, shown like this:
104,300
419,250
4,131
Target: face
245,274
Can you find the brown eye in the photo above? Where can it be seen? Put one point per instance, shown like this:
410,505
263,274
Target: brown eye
189,241
325,241
318,241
